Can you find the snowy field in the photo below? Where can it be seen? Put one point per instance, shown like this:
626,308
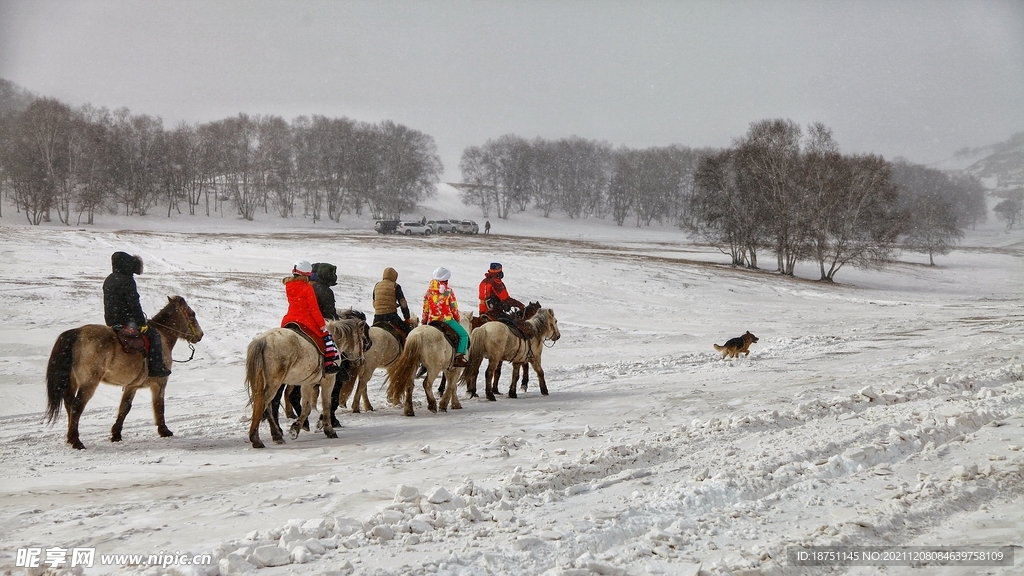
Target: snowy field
885,410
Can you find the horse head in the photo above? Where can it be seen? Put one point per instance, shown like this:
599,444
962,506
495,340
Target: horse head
553,324
352,337
351,314
179,319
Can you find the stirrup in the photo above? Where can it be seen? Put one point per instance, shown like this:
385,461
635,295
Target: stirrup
332,368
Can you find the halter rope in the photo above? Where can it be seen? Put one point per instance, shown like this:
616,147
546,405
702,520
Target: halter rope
192,331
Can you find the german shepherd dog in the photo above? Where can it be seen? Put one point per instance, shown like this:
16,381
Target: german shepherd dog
736,346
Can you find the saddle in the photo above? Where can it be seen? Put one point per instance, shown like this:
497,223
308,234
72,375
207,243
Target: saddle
131,339
398,332
449,333
314,338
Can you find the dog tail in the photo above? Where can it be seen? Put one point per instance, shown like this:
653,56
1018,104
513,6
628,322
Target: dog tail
719,348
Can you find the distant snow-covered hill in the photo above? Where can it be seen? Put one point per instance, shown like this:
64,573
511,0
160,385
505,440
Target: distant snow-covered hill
1000,166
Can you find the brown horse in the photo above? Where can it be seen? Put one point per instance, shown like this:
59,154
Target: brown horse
496,342
85,356
425,345
281,355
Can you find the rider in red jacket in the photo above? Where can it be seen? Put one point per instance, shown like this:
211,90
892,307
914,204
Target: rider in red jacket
304,311
494,298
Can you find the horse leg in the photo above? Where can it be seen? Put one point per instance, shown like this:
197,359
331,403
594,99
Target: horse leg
515,379
306,406
122,412
293,399
491,375
336,398
361,391
327,409
428,385
540,375
275,404
157,390
526,377
276,432
450,394
408,389
75,405
443,385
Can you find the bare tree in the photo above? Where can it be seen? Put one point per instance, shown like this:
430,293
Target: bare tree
851,211
768,158
1011,208
927,198
723,212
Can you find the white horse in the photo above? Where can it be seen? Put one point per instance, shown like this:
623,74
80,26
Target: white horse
384,350
428,347
281,355
496,342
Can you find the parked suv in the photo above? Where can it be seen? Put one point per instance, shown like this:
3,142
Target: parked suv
410,228
442,226
467,227
385,226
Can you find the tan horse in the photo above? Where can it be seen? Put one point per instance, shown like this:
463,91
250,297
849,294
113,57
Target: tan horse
281,355
496,342
85,356
425,345
384,350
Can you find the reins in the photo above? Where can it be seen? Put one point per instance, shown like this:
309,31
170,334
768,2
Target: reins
182,333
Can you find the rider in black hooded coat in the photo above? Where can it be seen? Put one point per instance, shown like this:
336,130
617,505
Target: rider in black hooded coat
121,306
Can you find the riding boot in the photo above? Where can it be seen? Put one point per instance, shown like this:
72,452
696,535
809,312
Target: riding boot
157,369
460,361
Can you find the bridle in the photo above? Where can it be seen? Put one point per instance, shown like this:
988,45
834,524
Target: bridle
193,332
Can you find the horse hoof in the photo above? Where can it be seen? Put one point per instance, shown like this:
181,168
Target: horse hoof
258,444
523,388
335,422
294,431
279,440
164,432
77,445
331,434
513,394
492,398
115,437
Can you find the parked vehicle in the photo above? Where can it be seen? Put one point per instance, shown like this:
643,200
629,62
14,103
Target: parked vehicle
385,226
467,227
410,228
442,226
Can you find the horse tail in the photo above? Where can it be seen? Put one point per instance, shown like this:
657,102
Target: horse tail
256,372
401,373
477,351
58,373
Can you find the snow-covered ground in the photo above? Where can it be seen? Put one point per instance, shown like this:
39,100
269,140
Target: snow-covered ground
885,410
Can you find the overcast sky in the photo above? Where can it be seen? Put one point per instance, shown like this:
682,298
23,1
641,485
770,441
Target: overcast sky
897,78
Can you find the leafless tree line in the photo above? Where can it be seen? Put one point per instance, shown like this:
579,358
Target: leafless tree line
75,162
579,178
779,191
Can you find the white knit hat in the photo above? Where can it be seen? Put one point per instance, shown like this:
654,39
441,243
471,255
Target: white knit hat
302,267
442,274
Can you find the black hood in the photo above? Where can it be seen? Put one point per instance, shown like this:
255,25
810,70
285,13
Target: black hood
125,263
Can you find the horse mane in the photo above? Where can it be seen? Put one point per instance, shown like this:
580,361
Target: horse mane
347,326
166,314
540,321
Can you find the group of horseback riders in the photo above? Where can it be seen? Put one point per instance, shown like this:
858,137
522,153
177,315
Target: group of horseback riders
311,303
